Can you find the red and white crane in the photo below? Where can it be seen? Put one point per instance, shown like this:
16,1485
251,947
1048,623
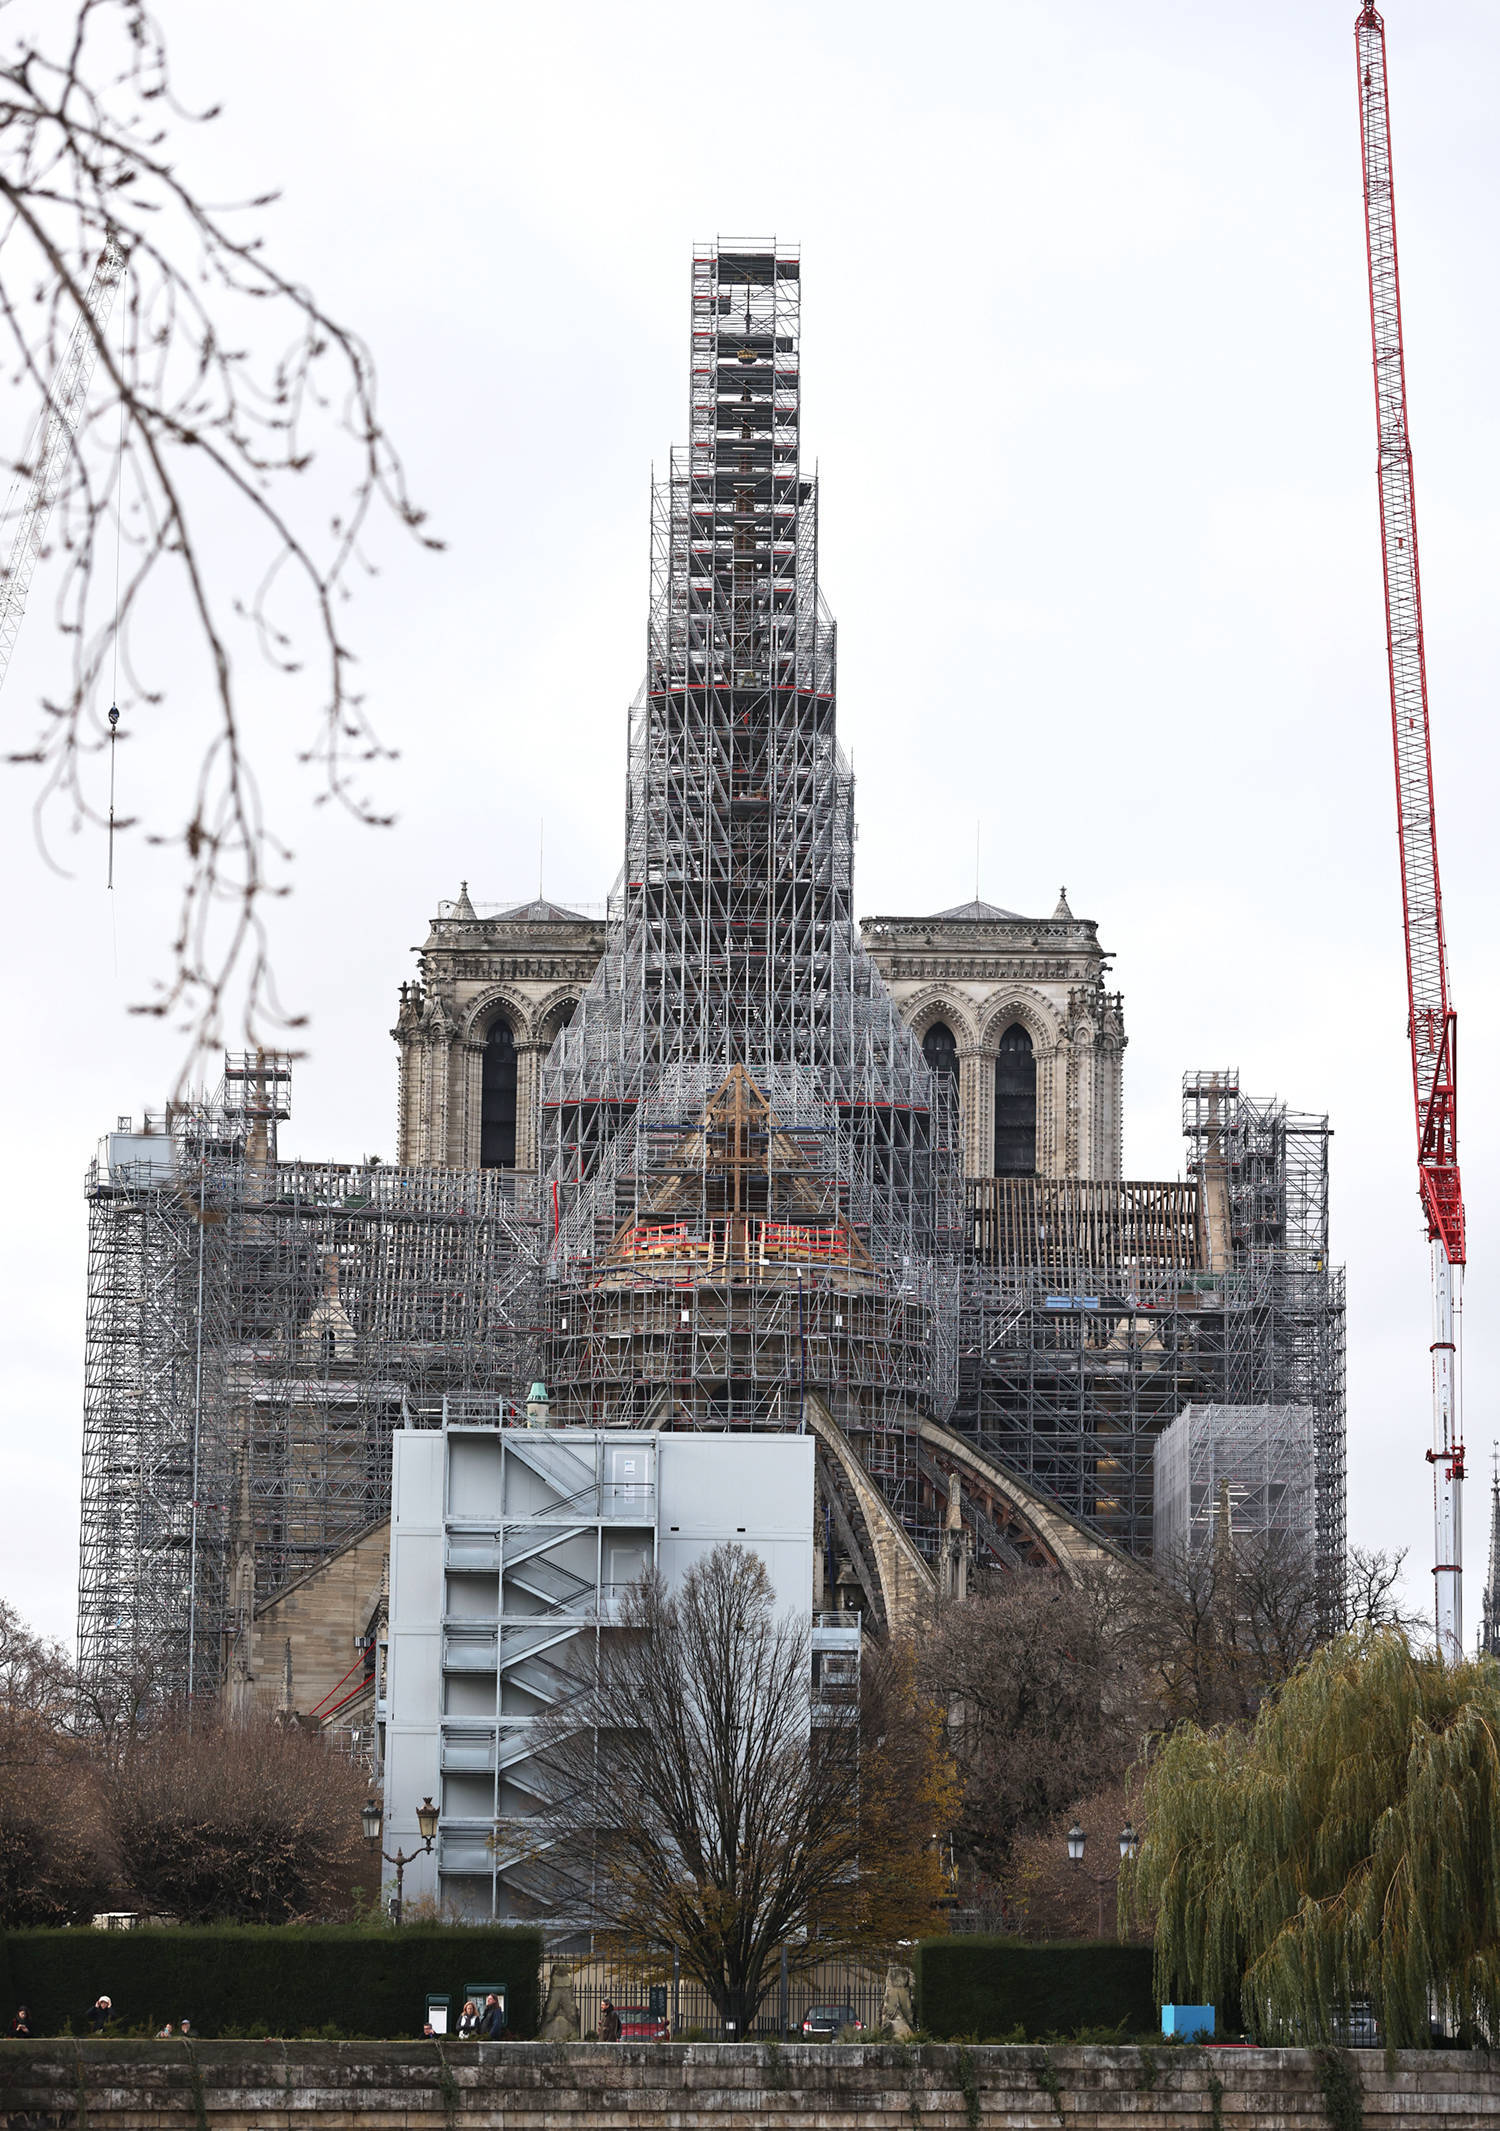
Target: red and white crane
1433,1023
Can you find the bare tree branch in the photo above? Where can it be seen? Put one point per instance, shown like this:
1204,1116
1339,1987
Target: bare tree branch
188,422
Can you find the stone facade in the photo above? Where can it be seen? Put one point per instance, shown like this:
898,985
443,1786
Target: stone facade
527,966
981,971
306,1641
978,970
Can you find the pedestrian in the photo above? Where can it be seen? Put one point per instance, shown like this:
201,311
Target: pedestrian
21,2025
468,2020
609,2023
101,2012
165,2034
184,2027
492,2024
428,2030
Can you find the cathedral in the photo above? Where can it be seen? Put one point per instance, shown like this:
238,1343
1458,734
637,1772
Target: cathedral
1015,1009
722,1155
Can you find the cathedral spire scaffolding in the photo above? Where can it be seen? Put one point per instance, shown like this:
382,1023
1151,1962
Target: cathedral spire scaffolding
732,949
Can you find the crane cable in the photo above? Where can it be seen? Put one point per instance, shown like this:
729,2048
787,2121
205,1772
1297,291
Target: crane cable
114,679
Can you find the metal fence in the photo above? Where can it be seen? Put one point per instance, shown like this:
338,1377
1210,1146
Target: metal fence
657,1991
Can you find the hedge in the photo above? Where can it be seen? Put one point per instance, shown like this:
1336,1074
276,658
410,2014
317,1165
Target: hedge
267,1979
988,1987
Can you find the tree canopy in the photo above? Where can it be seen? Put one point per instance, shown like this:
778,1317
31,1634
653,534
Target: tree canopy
108,1799
1346,1848
1043,1695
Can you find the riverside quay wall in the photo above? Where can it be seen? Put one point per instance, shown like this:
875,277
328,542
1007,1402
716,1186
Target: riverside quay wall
523,2086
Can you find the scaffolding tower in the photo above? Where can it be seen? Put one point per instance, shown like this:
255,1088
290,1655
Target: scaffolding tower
1092,1315
255,1329
732,950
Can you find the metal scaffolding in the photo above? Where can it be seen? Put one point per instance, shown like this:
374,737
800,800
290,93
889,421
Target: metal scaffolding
1245,1471
750,1186
732,950
1084,1333
255,1329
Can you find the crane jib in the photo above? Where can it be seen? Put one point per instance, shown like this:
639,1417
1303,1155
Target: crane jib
1431,1020
1432,1025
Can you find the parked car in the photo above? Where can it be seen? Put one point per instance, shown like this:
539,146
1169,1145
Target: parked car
1362,2030
639,2024
830,2020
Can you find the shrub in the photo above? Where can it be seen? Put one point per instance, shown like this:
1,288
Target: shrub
996,1986
283,1980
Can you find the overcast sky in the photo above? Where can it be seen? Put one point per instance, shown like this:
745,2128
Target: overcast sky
1086,372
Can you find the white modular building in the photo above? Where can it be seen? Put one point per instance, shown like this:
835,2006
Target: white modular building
507,1545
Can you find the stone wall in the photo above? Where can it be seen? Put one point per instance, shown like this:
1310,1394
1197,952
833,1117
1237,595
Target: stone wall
524,2086
305,1639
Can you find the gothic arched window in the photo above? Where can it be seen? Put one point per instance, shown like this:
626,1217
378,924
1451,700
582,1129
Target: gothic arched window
940,1048
497,1104
1015,1104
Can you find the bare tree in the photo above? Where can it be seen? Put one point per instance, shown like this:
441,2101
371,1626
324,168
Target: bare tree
1224,1624
114,1710
37,1680
254,1823
1039,1678
696,1808
1044,1895
55,1852
1372,1590
198,458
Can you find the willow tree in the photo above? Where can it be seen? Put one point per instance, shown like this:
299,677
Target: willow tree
1346,1848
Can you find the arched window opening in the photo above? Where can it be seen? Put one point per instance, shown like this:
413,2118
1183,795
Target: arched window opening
497,1105
1015,1104
940,1048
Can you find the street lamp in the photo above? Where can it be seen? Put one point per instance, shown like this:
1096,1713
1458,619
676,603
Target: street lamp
1130,1842
427,1820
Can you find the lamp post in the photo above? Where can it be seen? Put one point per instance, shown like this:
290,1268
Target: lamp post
1129,1844
427,1820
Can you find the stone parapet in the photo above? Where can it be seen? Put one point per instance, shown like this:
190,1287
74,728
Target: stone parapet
526,2086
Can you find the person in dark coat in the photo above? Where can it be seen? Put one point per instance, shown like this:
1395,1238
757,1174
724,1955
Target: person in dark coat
21,2025
101,2012
492,2020
609,2023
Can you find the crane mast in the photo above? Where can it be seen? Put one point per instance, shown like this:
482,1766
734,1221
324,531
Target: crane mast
49,442
1433,1025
